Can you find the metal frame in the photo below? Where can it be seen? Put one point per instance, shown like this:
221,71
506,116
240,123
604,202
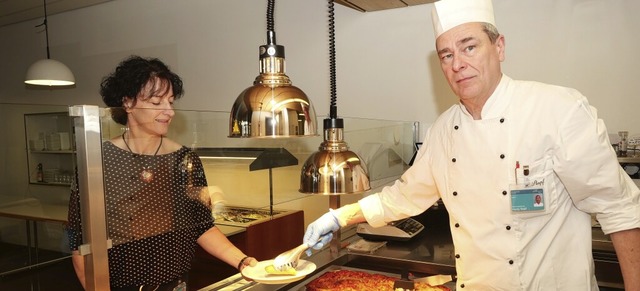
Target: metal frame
91,185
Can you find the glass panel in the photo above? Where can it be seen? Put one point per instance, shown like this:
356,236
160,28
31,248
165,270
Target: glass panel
35,168
385,146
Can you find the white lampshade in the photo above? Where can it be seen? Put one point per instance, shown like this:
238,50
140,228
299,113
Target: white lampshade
48,72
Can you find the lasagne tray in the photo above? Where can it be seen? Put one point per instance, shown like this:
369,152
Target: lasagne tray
300,286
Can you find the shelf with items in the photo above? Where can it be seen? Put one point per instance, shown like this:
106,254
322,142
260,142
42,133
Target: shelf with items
50,148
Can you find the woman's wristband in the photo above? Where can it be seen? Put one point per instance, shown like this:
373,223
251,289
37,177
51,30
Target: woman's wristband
242,263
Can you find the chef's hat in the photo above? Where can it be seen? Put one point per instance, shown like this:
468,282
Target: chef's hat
447,14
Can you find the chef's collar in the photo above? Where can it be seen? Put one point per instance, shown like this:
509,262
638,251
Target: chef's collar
496,104
447,14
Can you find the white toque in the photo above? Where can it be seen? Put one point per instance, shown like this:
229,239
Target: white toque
447,14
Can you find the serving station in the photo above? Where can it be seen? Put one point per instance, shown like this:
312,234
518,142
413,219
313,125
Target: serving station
428,253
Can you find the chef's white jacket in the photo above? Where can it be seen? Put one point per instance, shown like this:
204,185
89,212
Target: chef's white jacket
470,165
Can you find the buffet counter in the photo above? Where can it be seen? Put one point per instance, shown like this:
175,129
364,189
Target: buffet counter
429,253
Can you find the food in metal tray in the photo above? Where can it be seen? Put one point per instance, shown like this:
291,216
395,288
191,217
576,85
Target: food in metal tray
349,280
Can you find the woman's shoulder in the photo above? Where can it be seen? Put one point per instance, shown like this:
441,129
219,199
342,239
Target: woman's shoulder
115,141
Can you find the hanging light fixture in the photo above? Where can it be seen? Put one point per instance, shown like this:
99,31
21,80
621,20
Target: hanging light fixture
334,169
48,72
272,107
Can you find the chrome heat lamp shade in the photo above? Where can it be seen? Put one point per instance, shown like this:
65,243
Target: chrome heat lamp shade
334,169
272,107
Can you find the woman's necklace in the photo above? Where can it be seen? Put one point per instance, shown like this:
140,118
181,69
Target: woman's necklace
147,173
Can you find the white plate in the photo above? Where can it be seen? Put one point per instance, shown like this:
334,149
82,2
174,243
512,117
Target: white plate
258,273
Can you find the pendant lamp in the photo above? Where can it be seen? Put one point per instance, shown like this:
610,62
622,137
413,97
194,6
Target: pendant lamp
334,169
49,72
272,107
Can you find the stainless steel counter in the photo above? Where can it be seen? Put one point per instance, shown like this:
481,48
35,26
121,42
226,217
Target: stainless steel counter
430,252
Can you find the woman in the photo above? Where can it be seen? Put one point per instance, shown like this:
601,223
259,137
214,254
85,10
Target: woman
157,202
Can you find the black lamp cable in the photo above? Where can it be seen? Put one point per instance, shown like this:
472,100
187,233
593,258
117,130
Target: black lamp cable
333,109
333,121
46,28
271,32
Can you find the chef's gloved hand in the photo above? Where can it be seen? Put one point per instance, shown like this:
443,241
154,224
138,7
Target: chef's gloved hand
320,232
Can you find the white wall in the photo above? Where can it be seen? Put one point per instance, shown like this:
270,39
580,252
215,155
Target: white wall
386,63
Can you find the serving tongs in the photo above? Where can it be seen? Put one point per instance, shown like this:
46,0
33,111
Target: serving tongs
290,258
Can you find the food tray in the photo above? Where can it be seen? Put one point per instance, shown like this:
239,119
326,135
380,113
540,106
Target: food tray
300,286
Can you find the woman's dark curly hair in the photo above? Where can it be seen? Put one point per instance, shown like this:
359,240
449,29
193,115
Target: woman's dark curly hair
130,78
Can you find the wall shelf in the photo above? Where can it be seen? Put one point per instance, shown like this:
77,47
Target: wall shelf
49,140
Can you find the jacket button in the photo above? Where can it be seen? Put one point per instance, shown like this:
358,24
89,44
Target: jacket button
510,262
457,256
455,193
453,160
456,127
502,156
508,227
457,225
502,120
504,192
461,285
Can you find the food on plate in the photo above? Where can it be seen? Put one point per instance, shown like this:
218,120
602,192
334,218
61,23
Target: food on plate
350,280
270,269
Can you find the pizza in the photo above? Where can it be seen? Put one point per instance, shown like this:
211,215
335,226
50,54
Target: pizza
349,280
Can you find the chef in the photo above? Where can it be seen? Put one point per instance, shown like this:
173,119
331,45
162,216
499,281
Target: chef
489,157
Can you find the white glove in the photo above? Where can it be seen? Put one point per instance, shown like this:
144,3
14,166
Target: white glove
320,232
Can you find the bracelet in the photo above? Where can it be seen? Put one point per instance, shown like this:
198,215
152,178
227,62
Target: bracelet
242,262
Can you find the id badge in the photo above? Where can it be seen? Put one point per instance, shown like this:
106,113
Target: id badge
526,199
181,287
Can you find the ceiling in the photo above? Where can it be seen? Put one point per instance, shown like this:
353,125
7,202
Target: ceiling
14,11
375,5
